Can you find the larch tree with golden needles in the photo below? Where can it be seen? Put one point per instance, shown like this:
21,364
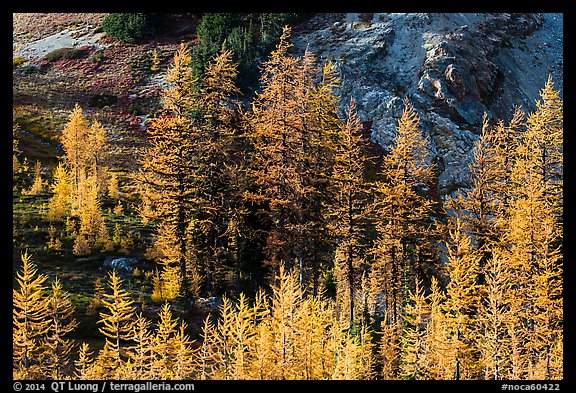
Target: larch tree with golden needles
141,352
167,282
85,148
314,155
163,359
353,357
30,321
461,304
233,338
167,175
309,325
516,332
57,346
172,356
92,222
97,156
38,184
73,140
414,334
534,233
288,338
182,345
222,342
482,206
309,342
284,307
318,339
84,363
60,203
113,186
99,294
322,126
80,183
402,211
271,125
186,171
261,352
389,348
477,209
281,130
349,211
502,143
438,364
479,204
218,203
494,341
242,336
543,142
208,353
117,323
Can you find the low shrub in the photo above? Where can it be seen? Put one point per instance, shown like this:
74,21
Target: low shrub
65,53
127,27
135,109
18,61
102,99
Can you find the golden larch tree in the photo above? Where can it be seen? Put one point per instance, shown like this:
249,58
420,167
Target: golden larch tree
461,304
438,364
30,320
288,148
140,353
414,335
97,149
389,347
172,173
542,143
534,234
117,322
73,141
167,172
182,344
402,210
60,203
492,315
349,218
38,184
84,363
57,347
163,358
217,206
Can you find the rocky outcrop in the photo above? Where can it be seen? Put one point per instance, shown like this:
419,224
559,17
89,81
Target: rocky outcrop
462,71
453,67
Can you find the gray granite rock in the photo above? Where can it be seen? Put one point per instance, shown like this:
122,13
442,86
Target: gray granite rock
453,67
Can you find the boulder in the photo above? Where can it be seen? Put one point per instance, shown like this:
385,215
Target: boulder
122,263
210,304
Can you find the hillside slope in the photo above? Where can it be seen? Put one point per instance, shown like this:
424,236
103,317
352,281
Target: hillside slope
454,67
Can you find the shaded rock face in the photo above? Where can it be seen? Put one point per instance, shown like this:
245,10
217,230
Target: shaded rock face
462,70
453,68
